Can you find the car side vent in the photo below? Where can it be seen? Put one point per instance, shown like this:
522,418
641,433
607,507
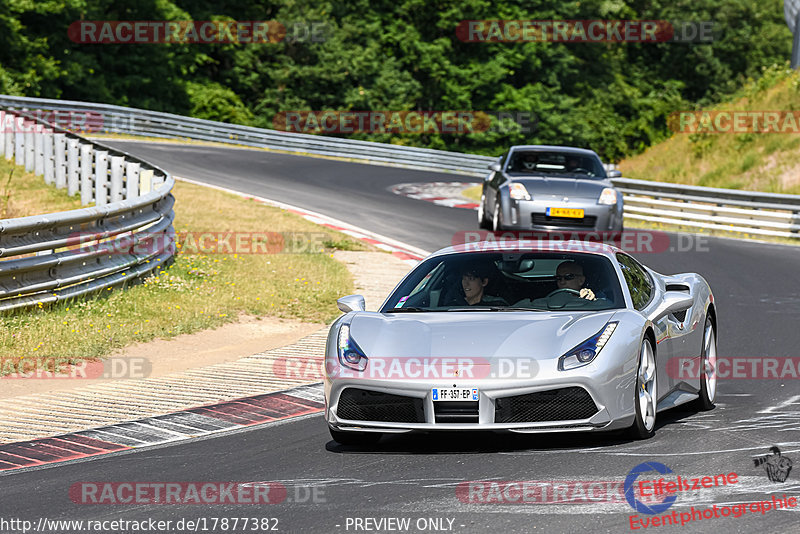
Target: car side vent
677,287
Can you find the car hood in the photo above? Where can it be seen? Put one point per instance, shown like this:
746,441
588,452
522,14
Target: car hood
486,335
539,186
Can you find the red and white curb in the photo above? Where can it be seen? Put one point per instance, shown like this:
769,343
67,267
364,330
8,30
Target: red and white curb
177,426
440,193
408,253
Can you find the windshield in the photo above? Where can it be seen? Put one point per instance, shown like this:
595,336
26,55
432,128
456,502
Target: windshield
561,163
520,281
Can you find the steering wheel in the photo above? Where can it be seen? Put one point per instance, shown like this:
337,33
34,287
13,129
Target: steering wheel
564,299
580,170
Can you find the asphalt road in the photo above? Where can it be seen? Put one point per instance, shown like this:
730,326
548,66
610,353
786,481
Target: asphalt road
331,488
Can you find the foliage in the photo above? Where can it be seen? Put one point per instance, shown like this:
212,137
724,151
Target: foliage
402,55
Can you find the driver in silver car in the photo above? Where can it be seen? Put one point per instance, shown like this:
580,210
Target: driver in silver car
569,275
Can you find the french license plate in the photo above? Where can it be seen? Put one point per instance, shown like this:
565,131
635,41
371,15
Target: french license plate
572,213
455,394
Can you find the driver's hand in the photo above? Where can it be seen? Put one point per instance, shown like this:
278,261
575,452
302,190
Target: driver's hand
587,294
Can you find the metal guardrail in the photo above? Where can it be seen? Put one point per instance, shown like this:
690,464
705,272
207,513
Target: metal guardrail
697,207
749,212
125,236
117,119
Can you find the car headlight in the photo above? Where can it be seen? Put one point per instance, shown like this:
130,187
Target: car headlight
608,196
518,192
586,352
350,354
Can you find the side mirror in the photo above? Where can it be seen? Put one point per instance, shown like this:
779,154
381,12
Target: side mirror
614,174
351,303
674,301
494,167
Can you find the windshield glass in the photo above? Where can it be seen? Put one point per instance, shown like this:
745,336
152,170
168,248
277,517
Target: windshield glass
561,163
498,281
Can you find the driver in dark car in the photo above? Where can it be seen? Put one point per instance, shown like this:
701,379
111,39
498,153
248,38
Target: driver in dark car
569,275
573,163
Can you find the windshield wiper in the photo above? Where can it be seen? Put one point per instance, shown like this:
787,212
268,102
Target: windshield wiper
494,308
403,310
513,308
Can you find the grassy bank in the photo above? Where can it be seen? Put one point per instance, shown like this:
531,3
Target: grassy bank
749,161
199,291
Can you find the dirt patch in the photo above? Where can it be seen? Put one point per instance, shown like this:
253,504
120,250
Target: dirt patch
227,343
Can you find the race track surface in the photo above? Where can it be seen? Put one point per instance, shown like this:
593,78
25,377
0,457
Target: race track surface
423,478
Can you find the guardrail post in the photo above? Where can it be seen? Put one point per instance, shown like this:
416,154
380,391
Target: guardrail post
115,193
60,159
47,155
30,146
19,142
8,126
2,132
158,181
132,179
72,166
100,178
38,157
86,174
145,181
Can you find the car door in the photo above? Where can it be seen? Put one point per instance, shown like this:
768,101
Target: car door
642,289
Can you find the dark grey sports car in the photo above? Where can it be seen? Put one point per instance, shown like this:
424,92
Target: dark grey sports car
550,188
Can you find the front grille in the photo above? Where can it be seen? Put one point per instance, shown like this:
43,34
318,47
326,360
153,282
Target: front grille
540,219
456,411
363,405
563,404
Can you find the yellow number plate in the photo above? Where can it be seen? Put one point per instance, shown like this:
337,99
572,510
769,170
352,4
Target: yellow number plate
572,213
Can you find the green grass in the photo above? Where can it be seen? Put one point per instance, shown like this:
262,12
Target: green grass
197,292
26,194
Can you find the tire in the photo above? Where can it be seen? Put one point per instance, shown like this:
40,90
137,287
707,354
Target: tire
497,218
645,394
708,362
355,438
483,222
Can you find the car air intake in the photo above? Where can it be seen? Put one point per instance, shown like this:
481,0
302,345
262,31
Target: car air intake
456,411
563,404
364,405
540,219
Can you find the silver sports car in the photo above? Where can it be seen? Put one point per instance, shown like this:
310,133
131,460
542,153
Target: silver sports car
524,337
550,188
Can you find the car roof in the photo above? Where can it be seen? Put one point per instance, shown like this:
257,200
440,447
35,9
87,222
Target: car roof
522,245
554,148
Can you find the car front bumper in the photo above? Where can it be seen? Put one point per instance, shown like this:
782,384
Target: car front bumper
608,383
532,215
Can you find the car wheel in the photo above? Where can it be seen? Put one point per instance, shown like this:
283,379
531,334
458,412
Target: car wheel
497,218
483,223
644,422
355,438
708,369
